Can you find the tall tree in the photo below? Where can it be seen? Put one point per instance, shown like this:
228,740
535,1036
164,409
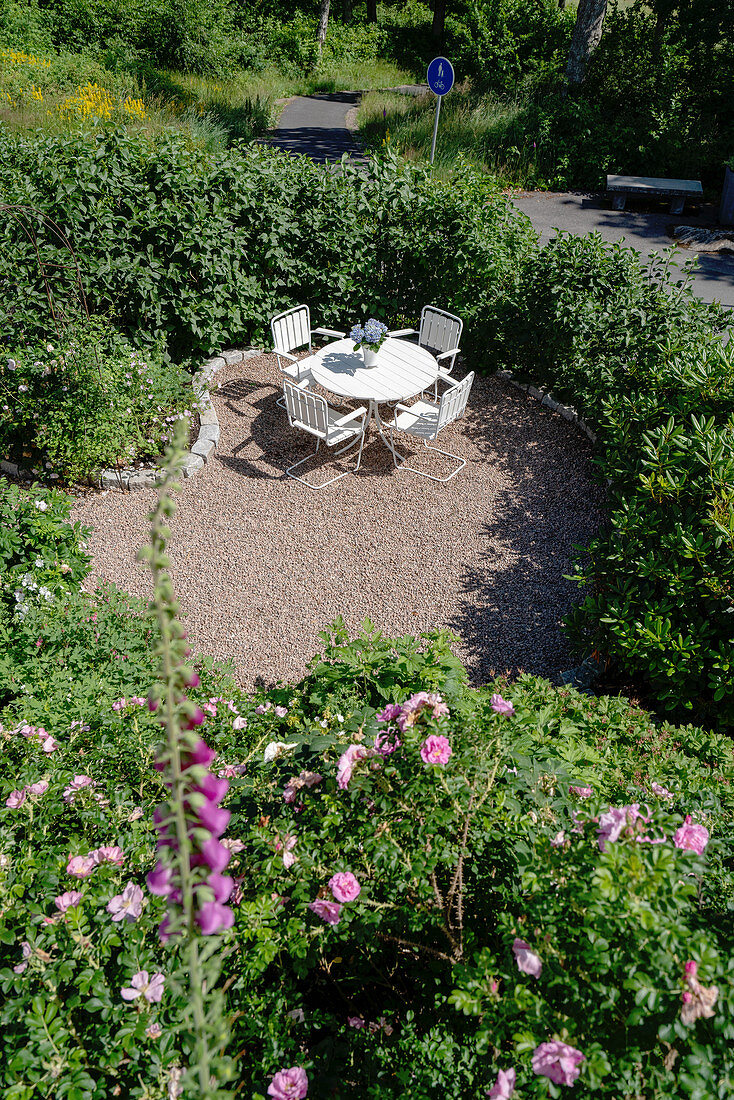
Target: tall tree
439,21
586,37
323,24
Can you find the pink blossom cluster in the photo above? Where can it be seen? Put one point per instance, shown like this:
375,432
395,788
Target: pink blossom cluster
359,1023
48,743
206,822
501,706
691,836
435,750
698,1000
631,821
78,783
527,961
344,888
82,866
297,783
289,1084
504,1086
16,798
558,1061
263,708
419,704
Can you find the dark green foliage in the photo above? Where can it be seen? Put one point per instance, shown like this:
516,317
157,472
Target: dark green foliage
644,362
198,250
86,402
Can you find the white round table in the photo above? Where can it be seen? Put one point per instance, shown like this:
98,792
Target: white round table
403,370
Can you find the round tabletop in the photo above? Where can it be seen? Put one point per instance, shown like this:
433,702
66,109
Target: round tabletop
403,370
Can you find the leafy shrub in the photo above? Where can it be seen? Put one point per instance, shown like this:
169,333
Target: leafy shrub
416,987
41,553
86,402
175,225
642,360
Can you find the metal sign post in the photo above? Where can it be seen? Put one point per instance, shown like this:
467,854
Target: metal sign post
440,77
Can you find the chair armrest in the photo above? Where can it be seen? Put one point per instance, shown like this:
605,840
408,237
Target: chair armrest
404,332
285,354
445,354
328,332
349,416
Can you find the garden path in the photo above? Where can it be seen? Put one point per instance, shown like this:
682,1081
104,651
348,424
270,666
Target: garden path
261,564
316,126
642,229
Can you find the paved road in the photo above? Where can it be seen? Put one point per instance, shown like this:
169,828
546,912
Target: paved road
314,126
640,228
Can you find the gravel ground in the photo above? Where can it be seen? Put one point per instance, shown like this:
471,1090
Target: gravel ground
261,564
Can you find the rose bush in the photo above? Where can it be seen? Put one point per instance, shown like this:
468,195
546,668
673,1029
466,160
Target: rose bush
475,921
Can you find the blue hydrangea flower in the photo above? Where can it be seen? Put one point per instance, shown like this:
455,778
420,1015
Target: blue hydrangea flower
374,331
357,334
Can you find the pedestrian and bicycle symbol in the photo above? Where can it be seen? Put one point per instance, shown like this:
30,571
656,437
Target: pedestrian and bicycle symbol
440,77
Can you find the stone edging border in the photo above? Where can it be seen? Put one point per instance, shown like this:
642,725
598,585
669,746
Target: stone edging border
194,460
543,395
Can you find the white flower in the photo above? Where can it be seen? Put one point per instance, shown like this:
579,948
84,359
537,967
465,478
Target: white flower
22,389
49,347
276,749
11,364
39,563
41,505
45,592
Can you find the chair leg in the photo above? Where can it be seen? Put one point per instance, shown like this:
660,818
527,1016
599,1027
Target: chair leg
422,473
331,480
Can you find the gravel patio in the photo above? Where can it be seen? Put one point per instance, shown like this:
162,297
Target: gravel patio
261,564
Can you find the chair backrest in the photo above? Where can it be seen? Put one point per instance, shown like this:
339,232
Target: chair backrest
453,402
306,409
439,331
292,329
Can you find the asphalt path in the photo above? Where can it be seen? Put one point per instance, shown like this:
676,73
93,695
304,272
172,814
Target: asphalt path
642,227
315,126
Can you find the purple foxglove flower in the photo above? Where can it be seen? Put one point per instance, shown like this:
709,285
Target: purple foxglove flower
159,881
214,854
212,788
222,885
213,818
212,917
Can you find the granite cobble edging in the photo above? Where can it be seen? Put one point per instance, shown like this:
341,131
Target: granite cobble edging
194,460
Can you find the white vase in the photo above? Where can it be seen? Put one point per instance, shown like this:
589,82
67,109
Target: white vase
370,356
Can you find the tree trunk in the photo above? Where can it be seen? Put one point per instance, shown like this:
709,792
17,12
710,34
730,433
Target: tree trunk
371,11
439,22
586,37
323,24
347,11
561,5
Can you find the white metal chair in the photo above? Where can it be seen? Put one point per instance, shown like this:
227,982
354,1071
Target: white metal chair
439,333
291,332
424,420
311,412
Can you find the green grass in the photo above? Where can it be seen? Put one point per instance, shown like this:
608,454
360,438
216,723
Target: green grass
482,131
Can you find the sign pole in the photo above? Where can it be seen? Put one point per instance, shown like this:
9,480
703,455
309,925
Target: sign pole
440,79
435,126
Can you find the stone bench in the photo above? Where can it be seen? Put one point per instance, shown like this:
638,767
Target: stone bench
619,187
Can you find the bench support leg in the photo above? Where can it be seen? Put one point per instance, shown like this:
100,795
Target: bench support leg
676,205
618,202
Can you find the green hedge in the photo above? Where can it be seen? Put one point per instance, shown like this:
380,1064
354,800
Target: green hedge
645,363
199,249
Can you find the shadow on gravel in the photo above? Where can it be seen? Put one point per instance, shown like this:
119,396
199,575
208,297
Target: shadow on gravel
547,509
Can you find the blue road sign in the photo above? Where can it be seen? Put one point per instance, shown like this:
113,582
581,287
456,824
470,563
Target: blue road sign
440,76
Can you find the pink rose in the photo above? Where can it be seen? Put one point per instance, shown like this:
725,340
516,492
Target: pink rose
280,711
661,791
435,750
239,723
38,788
582,792
416,704
356,1022
344,886
16,799
69,900
558,840
110,853
347,760
329,911
289,1084
558,1061
501,706
504,1086
389,713
527,961
81,866
617,820
691,837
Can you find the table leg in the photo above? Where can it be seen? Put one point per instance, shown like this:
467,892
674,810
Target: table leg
375,412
